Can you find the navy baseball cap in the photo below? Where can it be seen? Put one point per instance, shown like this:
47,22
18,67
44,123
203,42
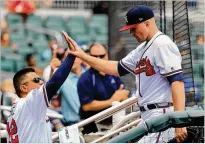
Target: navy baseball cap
138,14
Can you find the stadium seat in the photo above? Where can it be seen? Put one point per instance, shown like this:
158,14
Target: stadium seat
25,50
102,39
55,18
7,66
102,30
76,19
34,20
6,50
83,38
77,29
101,18
43,64
14,19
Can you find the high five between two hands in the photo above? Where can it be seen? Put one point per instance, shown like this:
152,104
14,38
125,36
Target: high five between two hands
74,48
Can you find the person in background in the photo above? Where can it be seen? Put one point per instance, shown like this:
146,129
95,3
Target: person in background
70,103
98,90
31,62
200,39
58,54
8,96
5,41
48,53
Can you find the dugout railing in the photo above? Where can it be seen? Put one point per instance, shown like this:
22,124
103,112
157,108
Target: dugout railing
104,114
161,123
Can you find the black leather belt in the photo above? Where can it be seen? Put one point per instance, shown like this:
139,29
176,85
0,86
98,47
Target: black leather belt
154,106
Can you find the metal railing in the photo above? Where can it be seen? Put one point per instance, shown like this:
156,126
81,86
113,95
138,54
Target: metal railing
43,30
104,114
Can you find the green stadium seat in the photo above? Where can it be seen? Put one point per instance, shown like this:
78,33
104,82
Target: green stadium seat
102,39
25,50
103,18
20,64
6,50
43,64
77,29
55,19
40,49
83,38
14,19
57,28
34,20
15,39
95,24
102,30
76,19
41,43
7,65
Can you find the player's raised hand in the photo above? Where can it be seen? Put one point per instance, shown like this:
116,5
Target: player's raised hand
74,48
71,43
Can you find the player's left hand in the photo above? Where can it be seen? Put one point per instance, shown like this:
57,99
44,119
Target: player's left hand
74,48
181,134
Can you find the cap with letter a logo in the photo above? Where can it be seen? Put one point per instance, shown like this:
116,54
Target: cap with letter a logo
138,14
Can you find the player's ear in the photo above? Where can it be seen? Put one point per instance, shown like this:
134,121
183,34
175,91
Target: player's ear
24,88
147,23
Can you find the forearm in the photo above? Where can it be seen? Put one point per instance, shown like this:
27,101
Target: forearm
178,95
59,76
108,67
97,105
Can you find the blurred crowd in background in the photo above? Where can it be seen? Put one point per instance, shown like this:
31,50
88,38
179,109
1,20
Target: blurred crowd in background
39,47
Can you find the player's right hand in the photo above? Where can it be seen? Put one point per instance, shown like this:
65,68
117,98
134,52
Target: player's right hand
120,95
181,134
55,62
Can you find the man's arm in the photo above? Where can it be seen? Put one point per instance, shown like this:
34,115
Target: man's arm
97,105
119,95
59,76
106,66
178,95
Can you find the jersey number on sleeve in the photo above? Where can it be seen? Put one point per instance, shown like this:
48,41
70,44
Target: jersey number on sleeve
12,131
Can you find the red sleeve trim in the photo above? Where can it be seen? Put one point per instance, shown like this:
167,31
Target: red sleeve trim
125,67
45,96
173,72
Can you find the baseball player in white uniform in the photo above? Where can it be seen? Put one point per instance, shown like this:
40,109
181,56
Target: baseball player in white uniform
28,122
156,64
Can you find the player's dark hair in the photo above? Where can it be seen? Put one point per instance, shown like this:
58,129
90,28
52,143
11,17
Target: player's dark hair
104,46
19,76
28,57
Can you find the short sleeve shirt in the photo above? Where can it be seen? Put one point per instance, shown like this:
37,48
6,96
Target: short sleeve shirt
151,63
28,122
93,86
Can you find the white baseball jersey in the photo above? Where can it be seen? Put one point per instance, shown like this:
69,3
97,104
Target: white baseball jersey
28,122
151,63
